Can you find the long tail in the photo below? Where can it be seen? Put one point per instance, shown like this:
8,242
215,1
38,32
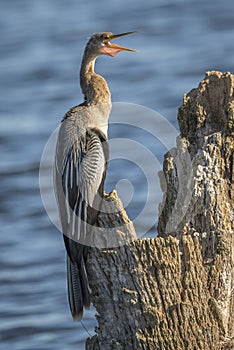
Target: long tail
78,288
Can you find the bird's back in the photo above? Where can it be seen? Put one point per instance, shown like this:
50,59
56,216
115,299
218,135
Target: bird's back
80,168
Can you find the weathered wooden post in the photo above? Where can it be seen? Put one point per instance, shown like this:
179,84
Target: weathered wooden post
177,291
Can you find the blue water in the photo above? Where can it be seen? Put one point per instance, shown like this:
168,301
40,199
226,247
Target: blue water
41,48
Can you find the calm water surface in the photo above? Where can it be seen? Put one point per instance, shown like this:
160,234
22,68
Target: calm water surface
41,48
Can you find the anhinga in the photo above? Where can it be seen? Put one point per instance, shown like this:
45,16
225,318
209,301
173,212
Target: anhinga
80,166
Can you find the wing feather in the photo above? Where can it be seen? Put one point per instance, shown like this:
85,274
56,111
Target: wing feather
82,170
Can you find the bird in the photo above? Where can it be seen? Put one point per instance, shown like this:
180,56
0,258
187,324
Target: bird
81,160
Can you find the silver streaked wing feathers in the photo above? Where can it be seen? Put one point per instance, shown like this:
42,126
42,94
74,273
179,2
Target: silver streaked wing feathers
82,173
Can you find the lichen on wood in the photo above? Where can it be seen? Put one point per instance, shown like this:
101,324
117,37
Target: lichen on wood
176,291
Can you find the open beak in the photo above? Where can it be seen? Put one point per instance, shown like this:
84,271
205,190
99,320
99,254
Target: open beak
112,49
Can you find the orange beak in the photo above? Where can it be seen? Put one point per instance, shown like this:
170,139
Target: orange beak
112,49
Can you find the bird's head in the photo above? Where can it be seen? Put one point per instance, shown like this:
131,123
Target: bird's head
100,44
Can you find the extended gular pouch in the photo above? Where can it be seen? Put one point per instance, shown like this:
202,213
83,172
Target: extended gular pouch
111,49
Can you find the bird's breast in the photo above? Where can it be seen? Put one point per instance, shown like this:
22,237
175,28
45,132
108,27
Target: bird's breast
99,116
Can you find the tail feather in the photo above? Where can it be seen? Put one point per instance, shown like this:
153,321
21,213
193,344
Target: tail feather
84,286
78,290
